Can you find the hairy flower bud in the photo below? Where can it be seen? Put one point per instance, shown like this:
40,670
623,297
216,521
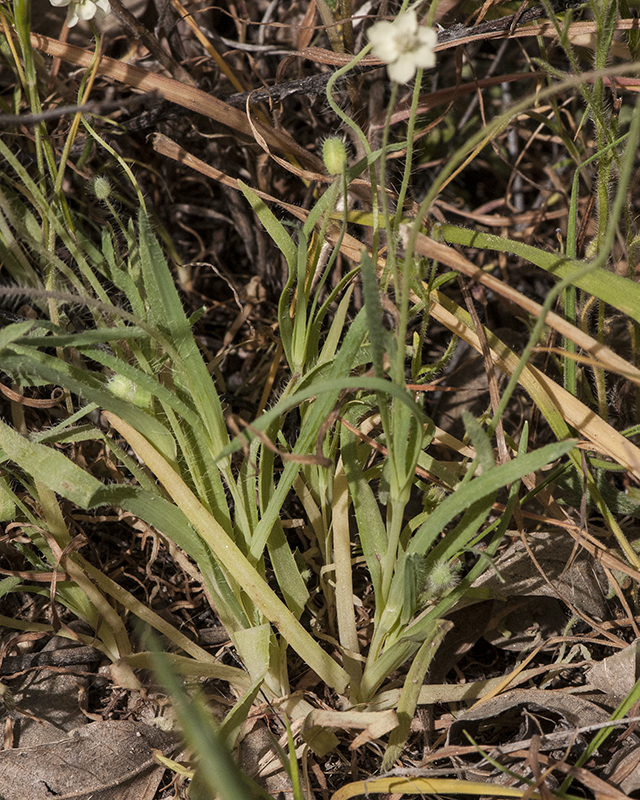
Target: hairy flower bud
334,155
101,187
126,389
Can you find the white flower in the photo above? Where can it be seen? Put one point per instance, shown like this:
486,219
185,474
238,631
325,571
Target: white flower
404,45
83,9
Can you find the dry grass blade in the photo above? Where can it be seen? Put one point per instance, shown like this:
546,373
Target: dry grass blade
165,146
185,96
604,438
428,786
546,29
452,258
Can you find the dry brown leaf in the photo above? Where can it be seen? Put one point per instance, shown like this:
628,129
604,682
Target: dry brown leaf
617,674
374,724
110,760
516,576
547,29
624,769
601,789
574,710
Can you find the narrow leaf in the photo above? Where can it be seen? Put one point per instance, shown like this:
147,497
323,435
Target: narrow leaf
373,310
274,228
233,560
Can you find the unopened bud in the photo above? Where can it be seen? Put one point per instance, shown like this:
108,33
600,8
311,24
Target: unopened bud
101,188
442,578
334,155
126,389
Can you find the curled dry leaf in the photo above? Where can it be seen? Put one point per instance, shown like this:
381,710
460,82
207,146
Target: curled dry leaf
567,712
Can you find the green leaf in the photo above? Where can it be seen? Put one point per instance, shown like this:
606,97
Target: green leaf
482,487
52,468
293,588
371,528
479,440
23,361
618,291
8,501
163,302
190,371
373,310
232,723
274,228
411,691
217,773
12,332
254,647
299,333
337,327
84,338
7,585
391,659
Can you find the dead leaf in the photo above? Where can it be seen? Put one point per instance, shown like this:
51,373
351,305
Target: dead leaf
624,769
110,760
581,584
525,621
520,707
617,674
373,724
48,697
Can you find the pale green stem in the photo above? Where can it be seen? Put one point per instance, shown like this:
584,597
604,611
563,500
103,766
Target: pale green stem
363,139
344,581
411,125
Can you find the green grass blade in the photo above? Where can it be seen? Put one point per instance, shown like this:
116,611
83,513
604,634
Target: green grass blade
410,693
274,228
234,561
218,774
373,310
483,486
618,291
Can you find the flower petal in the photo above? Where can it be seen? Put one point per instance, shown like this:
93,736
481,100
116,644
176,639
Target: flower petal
404,45
386,51
402,69
72,17
83,9
406,24
424,57
86,9
427,36
380,32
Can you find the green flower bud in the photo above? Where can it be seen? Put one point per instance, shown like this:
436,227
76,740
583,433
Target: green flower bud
441,579
334,155
101,188
126,389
